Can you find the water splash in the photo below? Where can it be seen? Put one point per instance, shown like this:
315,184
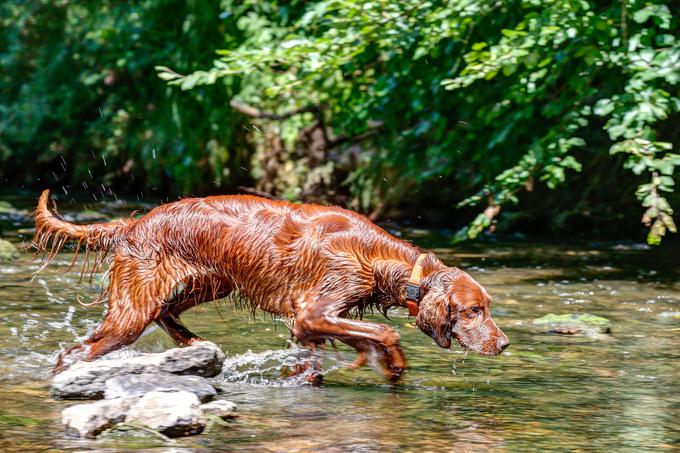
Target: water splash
268,368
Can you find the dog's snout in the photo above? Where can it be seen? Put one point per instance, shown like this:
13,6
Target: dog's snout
502,343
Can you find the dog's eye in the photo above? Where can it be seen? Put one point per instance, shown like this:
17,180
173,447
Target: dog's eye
475,309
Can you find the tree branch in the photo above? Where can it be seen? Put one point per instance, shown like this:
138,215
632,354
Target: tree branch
258,193
341,140
254,112
373,126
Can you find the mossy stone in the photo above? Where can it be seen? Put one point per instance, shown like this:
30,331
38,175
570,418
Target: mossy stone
6,208
8,251
571,323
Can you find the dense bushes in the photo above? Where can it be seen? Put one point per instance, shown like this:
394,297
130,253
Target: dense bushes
78,82
377,105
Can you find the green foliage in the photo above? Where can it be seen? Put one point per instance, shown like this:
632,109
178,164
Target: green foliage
78,83
643,65
522,81
374,104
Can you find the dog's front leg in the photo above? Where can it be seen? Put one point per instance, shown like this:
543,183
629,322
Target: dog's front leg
308,366
321,319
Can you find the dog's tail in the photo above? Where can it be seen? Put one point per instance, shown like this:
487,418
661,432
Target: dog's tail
52,232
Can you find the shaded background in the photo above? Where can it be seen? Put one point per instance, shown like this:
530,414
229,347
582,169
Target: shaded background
549,118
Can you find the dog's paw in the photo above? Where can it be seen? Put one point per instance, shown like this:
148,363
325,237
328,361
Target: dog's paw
69,357
394,363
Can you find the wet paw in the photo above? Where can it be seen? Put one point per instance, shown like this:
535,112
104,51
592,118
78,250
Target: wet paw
394,363
69,357
315,378
394,374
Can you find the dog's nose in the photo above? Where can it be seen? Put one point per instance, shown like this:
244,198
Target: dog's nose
502,343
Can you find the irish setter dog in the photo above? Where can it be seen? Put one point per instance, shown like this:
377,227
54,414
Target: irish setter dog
312,265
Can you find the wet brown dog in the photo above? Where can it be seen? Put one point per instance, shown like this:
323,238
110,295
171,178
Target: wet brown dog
310,264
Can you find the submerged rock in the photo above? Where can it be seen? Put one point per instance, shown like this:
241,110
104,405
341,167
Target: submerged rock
8,251
136,385
220,408
87,380
669,315
9,213
171,413
573,323
6,208
90,419
87,216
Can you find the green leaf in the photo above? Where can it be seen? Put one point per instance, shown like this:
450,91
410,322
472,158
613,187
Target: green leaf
660,13
603,107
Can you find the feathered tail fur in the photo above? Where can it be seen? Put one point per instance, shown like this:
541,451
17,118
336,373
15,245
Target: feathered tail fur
52,233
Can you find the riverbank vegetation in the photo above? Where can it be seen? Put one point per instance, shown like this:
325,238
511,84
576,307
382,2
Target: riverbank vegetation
534,116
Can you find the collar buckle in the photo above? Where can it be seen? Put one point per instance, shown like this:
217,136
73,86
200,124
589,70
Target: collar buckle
413,286
412,291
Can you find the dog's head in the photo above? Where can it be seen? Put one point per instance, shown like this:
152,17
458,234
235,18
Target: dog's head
456,306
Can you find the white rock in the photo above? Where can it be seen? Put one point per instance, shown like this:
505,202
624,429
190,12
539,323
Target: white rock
221,408
171,413
90,419
87,379
135,385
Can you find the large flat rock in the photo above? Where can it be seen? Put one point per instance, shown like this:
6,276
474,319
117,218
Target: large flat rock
87,380
136,385
171,413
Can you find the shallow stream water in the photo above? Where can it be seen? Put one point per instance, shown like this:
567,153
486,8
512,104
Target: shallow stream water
618,391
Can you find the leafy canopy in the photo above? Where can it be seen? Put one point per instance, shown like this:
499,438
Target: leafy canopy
466,106
507,88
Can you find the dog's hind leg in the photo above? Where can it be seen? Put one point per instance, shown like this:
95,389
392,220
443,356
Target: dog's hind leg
195,293
135,299
168,318
119,328
179,333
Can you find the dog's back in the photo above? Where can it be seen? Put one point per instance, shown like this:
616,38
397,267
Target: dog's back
269,250
273,250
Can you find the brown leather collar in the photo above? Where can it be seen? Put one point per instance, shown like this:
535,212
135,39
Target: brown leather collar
413,286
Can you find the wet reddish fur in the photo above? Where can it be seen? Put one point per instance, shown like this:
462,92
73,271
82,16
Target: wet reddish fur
308,263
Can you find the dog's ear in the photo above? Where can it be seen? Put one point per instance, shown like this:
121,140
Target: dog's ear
434,319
